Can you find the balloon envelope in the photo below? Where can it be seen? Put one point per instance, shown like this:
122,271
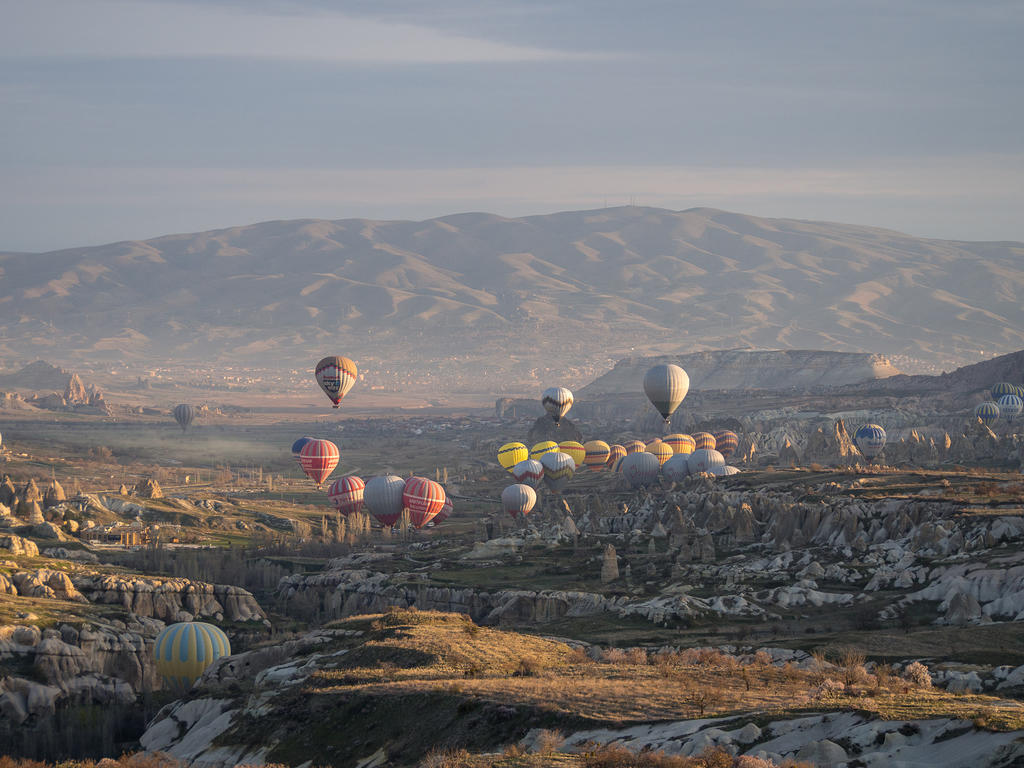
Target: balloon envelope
529,472
726,442
1003,388
446,510
666,386
297,446
1010,407
870,440
616,453
575,450
558,470
661,451
518,499
987,412
423,498
724,471
346,494
545,446
336,375
184,414
184,650
556,401
597,452
383,498
703,440
635,446
640,469
704,460
511,454
676,470
318,459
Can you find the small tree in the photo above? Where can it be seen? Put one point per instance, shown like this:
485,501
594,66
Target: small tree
917,673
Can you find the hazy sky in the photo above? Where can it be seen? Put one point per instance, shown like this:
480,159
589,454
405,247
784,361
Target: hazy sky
134,118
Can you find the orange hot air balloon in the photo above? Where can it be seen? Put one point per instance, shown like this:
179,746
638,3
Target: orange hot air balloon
616,453
597,454
704,441
575,450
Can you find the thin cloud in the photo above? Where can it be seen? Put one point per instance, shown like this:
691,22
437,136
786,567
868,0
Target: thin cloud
112,29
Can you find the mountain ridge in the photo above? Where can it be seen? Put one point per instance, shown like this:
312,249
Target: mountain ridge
514,301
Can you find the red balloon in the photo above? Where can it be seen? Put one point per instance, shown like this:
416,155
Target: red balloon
423,498
446,510
346,494
318,459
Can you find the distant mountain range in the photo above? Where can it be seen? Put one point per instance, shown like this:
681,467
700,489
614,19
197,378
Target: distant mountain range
480,302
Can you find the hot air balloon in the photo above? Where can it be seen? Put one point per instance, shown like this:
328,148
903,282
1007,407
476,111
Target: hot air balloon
558,470
446,510
676,442
336,375
651,443
988,412
675,470
529,472
640,469
661,451
184,414
597,452
724,471
616,453
318,459
635,446
575,450
1003,388
423,498
556,401
726,442
666,386
518,499
383,498
704,440
183,651
1010,407
545,446
511,454
704,460
297,446
870,440
346,494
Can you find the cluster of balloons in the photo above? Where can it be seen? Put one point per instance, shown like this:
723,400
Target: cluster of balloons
555,464
1007,403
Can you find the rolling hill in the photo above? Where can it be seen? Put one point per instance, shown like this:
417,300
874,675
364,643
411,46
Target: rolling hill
477,301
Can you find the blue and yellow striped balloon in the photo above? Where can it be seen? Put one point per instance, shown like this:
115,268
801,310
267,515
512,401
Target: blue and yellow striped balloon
1003,388
988,412
183,651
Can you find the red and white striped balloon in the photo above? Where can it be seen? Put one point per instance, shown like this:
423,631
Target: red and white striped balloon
423,498
446,510
318,459
346,494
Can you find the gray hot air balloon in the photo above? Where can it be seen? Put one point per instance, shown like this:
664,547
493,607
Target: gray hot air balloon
184,414
382,497
518,499
640,469
704,460
529,472
558,470
676,469
724,471
666,386
556,401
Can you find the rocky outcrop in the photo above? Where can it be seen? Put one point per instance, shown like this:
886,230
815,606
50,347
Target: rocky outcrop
148,489
46,583
16,545
171,599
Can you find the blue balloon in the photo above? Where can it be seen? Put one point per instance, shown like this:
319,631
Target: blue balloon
870,440
298,444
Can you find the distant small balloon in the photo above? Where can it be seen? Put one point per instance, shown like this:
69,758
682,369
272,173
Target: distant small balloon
545,446
704,460
511,454
676,469
616,453
704,441
518,500
423,498
597,453
558,470
184,414
870,440
318,459
726,442
556,401
640,469
346,494
988,412
1010,407
383,498
635,446
575,450
666,387
336,375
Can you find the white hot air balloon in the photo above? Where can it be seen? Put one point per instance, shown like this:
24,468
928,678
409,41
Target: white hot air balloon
665,386
556,401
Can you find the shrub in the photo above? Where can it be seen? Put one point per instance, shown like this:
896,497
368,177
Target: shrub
549,741
636,656
528,667
446,758
917,673
613,656
829,689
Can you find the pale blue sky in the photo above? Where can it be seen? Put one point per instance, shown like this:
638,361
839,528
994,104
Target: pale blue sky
135,118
